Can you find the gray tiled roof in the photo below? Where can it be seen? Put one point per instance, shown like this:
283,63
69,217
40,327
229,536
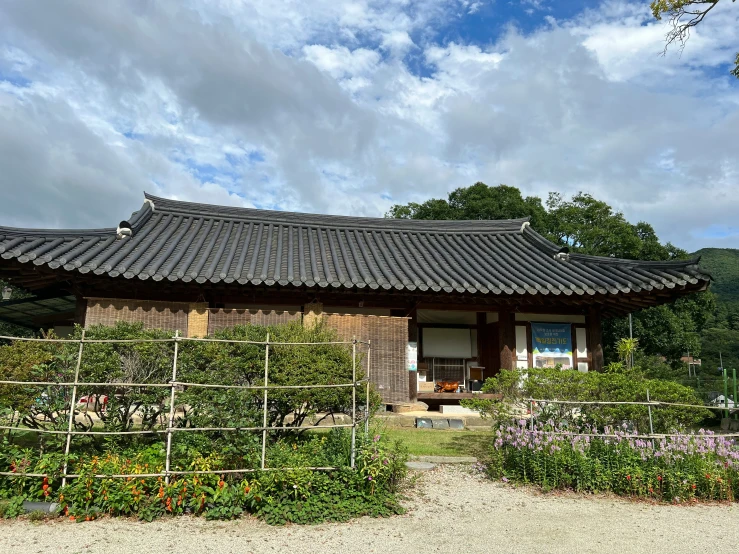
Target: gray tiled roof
181,241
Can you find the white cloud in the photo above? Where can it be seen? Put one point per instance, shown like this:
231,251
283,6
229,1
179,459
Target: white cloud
398,43
336,106
340,62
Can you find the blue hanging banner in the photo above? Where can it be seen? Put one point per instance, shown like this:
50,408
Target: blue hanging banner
552,344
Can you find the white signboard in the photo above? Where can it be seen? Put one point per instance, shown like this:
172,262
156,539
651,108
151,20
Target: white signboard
411,355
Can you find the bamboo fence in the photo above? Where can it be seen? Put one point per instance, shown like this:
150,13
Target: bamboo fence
173,384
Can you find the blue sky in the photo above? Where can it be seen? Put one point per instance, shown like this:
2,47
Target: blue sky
350,106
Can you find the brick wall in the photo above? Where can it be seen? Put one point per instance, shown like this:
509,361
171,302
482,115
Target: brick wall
389,338
155,315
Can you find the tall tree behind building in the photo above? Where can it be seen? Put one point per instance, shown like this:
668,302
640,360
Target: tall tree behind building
589,226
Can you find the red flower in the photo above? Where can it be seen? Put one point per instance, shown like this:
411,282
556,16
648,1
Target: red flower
693,486
651,489
708,475
628,477
659,477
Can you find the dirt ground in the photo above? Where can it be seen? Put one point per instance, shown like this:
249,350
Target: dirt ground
451,510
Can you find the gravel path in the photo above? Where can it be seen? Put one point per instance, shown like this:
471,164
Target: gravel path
451,510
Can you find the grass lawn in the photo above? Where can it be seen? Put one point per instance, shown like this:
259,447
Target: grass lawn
430,442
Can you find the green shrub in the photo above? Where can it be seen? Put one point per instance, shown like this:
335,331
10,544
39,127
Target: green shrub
11,507
296,494
214,363
289,365
35,406
552,384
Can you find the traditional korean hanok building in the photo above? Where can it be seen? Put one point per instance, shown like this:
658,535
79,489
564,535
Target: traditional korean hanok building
454,300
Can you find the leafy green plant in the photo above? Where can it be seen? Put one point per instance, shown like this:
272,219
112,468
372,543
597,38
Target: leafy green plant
289,492
626,349
550,384
12,507
290,365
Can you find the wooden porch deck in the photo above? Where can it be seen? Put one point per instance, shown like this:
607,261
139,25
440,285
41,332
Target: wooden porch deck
441,396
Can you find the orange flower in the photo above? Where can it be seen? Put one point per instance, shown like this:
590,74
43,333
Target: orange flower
708,475
659,477
628,477
693,486
45,487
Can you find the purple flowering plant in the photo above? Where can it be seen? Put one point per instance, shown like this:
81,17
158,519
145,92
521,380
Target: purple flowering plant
685,467
381,463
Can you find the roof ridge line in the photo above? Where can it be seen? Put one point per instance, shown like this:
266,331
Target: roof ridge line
331,220
545,243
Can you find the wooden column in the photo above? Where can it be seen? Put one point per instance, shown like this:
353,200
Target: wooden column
80,311
412,325
595,339
506,339
482,321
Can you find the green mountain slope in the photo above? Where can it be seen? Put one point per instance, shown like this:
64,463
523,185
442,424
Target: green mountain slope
723,265
722,333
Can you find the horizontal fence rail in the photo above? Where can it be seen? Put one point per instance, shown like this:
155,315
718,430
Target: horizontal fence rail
180,339
531,402
625,403
173,386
